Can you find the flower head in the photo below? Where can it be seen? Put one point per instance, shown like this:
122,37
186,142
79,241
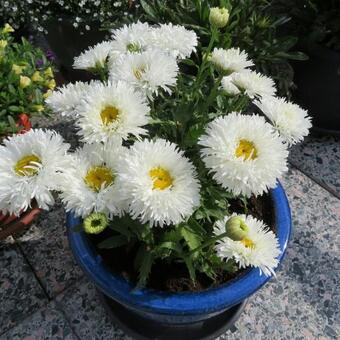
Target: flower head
244,153
291,121
7,29
31,166
159,183
231,60
218,17
89,184
24,82
95,223
93,58
112,111
18,69
259,248
147,71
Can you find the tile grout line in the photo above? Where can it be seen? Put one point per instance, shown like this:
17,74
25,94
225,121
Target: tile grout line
61,310
315,180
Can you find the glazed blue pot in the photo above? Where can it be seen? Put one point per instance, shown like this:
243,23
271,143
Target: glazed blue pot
176,308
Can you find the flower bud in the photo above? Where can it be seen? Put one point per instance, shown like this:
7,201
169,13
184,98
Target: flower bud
37,77
7,29
218,17
17,69
51,84
48,72
38,108
24,81
236,228
47,94
95,223
3,44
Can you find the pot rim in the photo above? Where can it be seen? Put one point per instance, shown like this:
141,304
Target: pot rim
184,303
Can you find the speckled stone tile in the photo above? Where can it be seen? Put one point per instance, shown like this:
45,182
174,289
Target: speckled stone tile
303,301
87,315
20,292
319,157
46,247
48,323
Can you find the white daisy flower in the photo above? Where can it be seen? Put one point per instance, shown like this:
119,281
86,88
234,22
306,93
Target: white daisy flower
89,185
244,153
231,60
260,248
174,39
147,71
228,86
159,183
94,57
132,38
112,111
31,166
254,84
65,99
292,122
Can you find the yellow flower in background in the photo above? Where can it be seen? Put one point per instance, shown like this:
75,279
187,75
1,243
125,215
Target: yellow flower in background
24,81
38,108
7,29
3,44
37,77
17,69
51,84
47,94
48,72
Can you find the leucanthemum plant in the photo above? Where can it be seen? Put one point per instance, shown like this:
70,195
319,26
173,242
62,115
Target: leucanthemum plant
176,153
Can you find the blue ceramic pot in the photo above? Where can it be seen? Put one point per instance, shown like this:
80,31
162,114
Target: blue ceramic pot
175,308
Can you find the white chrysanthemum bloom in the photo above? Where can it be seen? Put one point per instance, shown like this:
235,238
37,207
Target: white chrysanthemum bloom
228,86
31,166
254,84
132,38
244,153
231,60
175,39
147,71
159,183
65,99
292,122
112,111
260,248
94,57
89,185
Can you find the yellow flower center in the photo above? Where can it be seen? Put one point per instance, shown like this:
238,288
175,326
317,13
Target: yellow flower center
246,150
248,243
138,73
98,177
27,166
109,114
161,178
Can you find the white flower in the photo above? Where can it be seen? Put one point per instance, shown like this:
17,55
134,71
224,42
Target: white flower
174,39
244,153
132,38
30,168
65,99
147,71
292,122
89,185
112,111
259,249
231,60
254,84
159,183
229,87
94,57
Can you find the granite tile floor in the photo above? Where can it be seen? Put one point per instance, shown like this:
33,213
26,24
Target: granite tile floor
43,294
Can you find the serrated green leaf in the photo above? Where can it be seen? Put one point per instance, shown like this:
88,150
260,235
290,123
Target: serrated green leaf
113,242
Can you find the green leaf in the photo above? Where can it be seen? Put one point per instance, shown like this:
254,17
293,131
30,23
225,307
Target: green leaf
191,268
192,239
146,259
113,242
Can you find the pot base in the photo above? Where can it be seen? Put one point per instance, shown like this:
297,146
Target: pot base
143,328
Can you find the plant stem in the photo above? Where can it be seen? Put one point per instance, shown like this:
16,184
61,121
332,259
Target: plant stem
212,94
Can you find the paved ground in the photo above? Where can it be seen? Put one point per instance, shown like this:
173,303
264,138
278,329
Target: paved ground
43,294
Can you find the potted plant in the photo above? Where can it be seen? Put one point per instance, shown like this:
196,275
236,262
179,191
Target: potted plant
317,25
175,212
26,80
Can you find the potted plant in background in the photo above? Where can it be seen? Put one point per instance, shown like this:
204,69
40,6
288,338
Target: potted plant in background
317,24
26,79
175,212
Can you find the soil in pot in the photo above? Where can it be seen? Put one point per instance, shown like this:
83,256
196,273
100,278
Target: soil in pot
175,277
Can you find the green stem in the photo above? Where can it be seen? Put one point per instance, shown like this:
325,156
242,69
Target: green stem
212,94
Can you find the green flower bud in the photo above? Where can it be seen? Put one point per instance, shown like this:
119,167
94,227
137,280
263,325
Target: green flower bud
218,17
133,48
95,223
236,228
